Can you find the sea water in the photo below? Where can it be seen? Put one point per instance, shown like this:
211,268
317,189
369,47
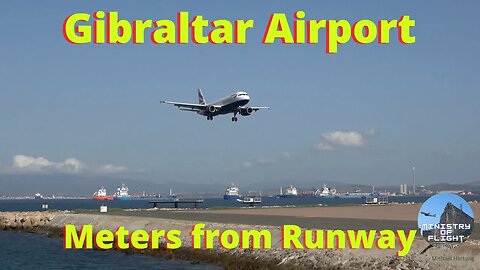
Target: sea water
20,250
76,204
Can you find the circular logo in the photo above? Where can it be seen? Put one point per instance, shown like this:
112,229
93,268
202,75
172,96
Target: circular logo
445,220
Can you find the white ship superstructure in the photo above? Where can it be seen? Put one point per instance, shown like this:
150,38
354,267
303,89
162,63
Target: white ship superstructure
232,193
325,192
122,193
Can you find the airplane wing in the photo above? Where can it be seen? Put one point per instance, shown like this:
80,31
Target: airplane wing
246,111
186,106
259,108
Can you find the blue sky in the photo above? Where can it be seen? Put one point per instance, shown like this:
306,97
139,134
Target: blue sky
364,115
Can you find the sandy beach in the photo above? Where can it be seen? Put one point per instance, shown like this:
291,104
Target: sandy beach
405,212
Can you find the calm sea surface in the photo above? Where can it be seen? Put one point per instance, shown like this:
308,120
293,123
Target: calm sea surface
20,250
58,204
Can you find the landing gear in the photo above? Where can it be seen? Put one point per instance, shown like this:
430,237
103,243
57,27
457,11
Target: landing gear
234,119
210,118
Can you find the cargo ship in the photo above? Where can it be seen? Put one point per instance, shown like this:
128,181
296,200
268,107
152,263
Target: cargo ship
122,195
101,195
290,192
232,193
353,195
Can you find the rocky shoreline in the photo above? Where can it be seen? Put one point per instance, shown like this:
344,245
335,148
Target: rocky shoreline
52,223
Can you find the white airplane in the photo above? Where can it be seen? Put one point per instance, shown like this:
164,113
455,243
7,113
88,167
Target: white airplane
234,103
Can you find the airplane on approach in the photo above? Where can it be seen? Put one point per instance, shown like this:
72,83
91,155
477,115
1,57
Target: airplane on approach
234,103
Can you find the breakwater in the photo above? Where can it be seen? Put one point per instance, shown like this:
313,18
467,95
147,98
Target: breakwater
237,258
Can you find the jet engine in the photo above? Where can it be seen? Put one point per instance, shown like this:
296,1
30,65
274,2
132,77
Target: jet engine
246,111
212,109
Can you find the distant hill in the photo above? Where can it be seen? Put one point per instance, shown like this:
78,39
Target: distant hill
73,185
474,186
76,185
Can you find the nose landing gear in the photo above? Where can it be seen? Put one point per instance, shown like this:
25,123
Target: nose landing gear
210,118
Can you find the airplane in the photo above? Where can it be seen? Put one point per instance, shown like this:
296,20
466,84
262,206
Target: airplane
428,214
234,103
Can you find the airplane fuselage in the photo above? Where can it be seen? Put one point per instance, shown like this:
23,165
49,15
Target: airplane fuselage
228,104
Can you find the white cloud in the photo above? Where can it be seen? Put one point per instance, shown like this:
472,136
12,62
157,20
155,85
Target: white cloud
324,147
109,168
72,164
333,140
23,163
28,163
344,138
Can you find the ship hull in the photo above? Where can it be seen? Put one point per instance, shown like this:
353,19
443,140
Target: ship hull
283,196
231,197
103,198
143,198
329,196
122,198
351,196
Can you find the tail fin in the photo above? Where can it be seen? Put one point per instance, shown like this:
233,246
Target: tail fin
201,98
